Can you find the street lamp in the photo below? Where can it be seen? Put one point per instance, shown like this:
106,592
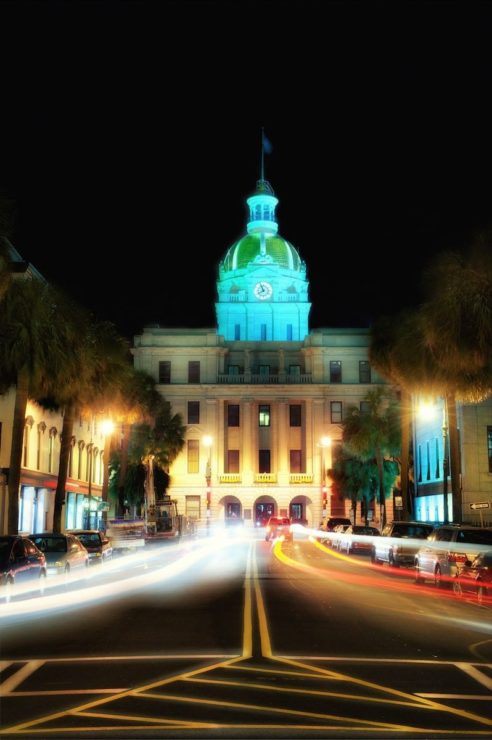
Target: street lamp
323,444
207,442
107,429
427,412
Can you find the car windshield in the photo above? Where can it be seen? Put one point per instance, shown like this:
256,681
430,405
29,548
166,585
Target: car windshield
50,544
475,536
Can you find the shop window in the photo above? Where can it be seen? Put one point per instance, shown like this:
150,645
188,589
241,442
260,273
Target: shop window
164,371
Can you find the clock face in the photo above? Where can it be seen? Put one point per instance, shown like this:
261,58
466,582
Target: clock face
263,290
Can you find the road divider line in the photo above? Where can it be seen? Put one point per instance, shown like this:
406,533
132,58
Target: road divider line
476,674
19,676
266,647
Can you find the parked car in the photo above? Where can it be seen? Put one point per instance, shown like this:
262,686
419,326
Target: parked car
63,552
384,549
336,537
475,577
96,543
329,523
358,538
20,562
278,526
446,548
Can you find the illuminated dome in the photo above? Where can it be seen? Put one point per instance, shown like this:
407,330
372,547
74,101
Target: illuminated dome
249,249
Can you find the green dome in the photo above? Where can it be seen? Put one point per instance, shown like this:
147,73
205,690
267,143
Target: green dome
246,250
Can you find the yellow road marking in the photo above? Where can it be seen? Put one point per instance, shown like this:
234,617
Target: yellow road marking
475,645
477,675
278,710
247,612
19,676
266,647
139,718
278,672
308,692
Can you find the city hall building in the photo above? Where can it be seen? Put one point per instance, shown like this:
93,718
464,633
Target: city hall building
262,396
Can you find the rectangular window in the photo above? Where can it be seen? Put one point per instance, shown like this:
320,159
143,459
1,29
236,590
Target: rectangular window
264,370
336,412
164,371
295,370
489,447
290,332
364,372
335,371
295,461
264,417
428,475
192,507
263,332
232,414
193,456
295,415
193,412
233,370
263,461
419,463
233,461
193,371
365,407
237,331
438,471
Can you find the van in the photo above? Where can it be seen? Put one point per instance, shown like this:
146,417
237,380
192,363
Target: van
449,547
398,542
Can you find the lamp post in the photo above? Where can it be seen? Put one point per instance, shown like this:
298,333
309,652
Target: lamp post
323,444
207,442
107,429
89,483
445,459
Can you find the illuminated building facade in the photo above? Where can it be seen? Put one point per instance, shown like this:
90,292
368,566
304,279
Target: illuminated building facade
267,394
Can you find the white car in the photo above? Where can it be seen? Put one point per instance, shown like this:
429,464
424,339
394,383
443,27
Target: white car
447,548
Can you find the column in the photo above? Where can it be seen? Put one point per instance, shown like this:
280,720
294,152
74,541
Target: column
308,435
282,439
247,463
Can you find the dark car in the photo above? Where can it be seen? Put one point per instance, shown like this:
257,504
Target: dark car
96,543
475,577
20,561
64,552
278,526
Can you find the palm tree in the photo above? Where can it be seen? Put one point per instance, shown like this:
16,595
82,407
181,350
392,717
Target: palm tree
33,354
101,362
374,435
444,347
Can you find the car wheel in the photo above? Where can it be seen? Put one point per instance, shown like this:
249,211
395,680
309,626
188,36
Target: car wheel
374,559
438,583
418,577
392,562
42,582
480,594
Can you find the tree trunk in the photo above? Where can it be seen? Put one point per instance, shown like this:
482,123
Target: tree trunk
405,411
18,427
61,485
380,462
125,430
454,459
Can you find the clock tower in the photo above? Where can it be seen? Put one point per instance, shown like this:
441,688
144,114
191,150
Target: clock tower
262,286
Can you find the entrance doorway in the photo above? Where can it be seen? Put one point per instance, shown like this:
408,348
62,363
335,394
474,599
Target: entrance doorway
233,511
297,513
263,512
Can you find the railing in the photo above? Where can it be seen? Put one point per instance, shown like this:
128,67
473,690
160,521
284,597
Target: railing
230,478
301,478
257,379
265,478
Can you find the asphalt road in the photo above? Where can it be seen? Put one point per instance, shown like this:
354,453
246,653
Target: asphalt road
242,638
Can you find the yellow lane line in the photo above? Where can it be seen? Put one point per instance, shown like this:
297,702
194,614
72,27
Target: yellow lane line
19,676
247,612
474,647
266,647
277,672
276,710
67,692
307,692
477,675
139,718
117,697
461,697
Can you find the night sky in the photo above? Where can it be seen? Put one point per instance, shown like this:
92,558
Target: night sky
130,139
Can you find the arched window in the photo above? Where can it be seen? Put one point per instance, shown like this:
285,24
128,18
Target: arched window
51,450
81,446
39,452
27,430
70,457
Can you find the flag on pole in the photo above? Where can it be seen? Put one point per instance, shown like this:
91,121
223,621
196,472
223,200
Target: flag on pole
267,144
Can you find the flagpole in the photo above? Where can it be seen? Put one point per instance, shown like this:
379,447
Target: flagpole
262,153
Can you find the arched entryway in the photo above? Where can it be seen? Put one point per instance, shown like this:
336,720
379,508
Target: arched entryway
264,507
300,510
231,508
